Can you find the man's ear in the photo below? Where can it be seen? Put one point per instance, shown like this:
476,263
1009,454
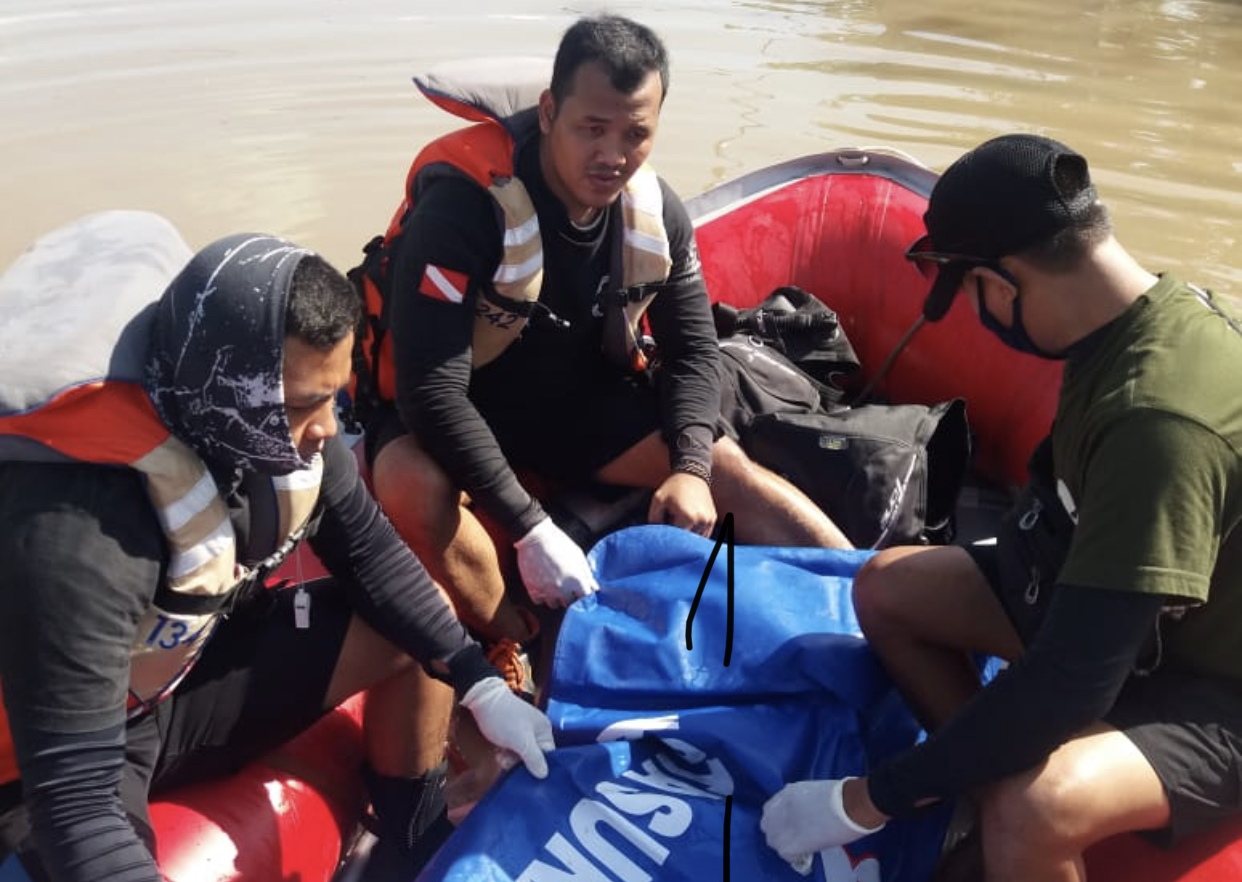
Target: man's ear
547,111
992,278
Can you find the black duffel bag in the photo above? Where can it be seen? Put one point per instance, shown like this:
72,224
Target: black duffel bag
887,474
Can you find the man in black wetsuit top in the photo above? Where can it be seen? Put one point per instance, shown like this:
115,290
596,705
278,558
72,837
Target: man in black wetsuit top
516,290
163,445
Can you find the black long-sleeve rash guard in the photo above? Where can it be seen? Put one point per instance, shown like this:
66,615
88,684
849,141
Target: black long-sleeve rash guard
454,225
70,777
1068,678
389,587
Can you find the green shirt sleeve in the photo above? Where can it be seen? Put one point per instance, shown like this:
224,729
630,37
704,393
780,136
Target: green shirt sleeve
1152,504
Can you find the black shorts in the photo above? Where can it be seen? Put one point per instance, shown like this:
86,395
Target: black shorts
1198,758
1188,727
568,436
573,437
1024,619
260,681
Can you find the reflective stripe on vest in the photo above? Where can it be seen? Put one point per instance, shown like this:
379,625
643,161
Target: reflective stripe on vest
484,153
74,331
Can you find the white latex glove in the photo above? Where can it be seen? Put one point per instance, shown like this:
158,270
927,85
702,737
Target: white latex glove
553,567
510,723
806,817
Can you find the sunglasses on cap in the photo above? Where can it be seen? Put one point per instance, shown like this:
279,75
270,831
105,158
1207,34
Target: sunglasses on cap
928,261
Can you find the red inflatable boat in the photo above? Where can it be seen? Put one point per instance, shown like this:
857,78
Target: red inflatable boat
835,224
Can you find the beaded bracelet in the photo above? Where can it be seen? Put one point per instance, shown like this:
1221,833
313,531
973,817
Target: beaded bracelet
696,468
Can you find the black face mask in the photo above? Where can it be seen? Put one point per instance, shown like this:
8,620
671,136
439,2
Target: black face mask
1014,336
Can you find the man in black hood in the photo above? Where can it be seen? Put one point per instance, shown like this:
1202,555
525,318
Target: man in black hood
160,455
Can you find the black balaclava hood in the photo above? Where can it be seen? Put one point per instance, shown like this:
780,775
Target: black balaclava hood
214,369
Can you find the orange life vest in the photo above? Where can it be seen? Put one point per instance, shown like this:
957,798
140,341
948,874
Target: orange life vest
484,153
82,294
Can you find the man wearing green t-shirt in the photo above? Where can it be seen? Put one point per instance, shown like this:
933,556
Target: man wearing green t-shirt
1122,706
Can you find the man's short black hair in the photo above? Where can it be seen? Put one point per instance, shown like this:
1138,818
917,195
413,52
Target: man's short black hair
1065,249
323,305
627,51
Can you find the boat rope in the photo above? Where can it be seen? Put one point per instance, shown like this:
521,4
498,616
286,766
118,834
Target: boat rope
862,396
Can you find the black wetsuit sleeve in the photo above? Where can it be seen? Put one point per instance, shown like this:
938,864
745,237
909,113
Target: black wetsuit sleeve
685,335
453,227
82,553
389,587
1069,678
70,786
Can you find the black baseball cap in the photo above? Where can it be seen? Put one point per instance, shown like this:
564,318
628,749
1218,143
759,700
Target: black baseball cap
1001,198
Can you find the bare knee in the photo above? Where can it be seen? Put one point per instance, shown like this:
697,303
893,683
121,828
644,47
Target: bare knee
936,594
1031,819
877,592
1037,824
415,493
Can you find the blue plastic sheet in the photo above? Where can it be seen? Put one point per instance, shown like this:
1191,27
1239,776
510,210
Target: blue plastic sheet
11,870
666,755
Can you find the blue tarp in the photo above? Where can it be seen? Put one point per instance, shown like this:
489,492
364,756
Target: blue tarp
666,755
11,870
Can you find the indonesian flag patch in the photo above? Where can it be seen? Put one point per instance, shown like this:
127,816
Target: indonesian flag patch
443,284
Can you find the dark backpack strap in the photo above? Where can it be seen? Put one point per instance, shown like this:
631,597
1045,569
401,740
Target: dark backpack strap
372,271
